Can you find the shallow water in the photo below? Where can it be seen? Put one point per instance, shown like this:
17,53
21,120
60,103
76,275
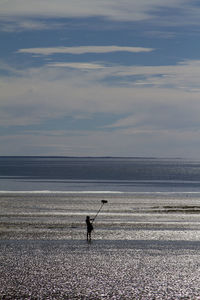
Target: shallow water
69,269
146,240
126,216
144,246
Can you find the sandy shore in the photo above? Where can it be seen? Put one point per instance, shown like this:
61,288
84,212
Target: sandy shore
144,247
103,269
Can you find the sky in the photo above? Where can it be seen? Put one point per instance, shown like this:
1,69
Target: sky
100,78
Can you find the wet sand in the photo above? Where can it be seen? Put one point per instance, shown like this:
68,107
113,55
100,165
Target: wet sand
142,248
102,269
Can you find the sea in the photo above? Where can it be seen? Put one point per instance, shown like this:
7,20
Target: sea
51,196
146,238
101,174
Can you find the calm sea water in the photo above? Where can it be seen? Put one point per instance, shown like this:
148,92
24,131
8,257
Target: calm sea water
49,197
99,174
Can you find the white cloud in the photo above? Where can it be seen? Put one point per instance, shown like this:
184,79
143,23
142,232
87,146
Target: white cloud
81,66
84,49
127,122
159,119
184,75
132,10
18,24
36,95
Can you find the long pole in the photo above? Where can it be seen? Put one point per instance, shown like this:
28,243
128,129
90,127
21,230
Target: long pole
98,211
103,202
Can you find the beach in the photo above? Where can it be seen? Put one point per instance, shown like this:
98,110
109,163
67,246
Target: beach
64,269
144,246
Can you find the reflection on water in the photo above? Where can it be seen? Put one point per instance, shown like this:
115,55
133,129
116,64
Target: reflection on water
153,216
144,246
73,269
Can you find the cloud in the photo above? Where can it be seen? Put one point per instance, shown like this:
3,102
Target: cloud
166,117
40,94
161,118
83,49
182,76
81,66
129,142
24,24
131,10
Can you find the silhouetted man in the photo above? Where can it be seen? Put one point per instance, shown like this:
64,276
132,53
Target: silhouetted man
89,227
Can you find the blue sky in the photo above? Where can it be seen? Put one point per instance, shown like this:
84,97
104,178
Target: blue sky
100,78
